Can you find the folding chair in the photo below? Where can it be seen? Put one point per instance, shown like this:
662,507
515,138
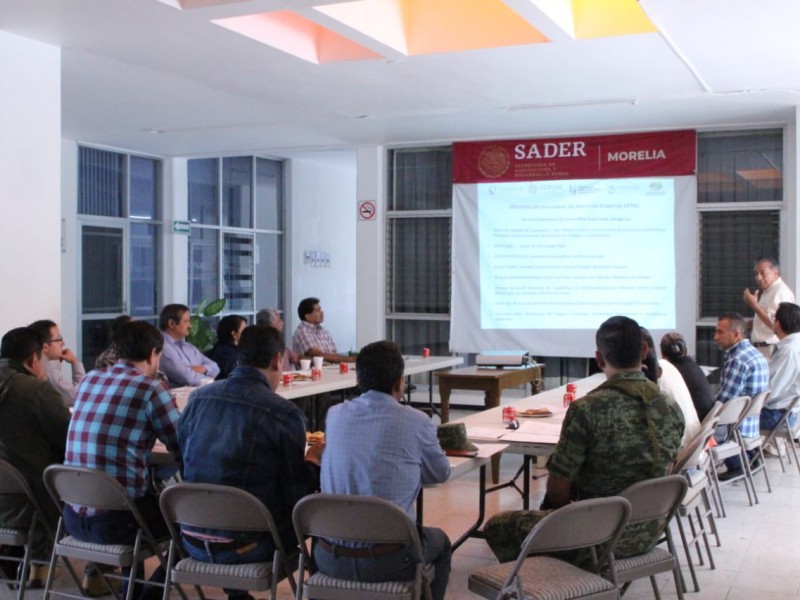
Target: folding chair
96,489
228,508
13,483
754,444
585,525
357,519
693,464
712,414
731,415
784,431
653,501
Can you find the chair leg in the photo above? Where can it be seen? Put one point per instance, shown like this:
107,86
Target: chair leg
715,483
688,553
748,477
654,583
763,467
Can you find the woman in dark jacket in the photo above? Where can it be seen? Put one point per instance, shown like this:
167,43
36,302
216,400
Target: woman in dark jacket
673,349
224,351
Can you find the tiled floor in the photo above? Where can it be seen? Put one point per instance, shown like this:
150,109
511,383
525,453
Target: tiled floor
759,557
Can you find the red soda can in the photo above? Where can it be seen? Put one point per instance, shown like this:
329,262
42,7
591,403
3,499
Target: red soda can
572,388
426,353
343,368
287,379
316,374
569,398
509,414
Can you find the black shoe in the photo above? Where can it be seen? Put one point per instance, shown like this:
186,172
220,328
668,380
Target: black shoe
731,474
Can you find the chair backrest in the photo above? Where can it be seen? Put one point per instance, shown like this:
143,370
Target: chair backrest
756,404
713,412
782,424
733,410
656,498
581,524
85,487
354,518
691,454
213,506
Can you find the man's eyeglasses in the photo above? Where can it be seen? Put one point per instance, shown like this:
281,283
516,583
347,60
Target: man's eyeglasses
55,340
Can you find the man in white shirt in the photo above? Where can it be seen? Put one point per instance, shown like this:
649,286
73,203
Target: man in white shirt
772,291
784,367
55,352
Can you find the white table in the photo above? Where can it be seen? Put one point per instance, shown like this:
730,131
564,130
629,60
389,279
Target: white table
332,380
535,437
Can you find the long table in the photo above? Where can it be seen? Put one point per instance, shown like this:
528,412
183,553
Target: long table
332,380
535,436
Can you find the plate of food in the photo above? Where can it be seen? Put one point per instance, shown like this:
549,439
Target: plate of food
534,413
298,376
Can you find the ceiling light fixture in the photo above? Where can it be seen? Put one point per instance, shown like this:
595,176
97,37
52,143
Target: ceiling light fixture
576,103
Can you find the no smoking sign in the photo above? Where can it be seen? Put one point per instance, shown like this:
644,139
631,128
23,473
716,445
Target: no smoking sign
367,210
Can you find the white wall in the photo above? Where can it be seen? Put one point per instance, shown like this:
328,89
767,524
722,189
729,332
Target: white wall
30,181
322,217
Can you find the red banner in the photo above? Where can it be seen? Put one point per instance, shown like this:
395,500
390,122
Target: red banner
657,154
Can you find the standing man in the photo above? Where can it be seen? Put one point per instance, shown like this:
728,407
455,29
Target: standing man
311,338
772,291
745,373
56,353
784,368
379,447
119,414
182,363
624,431
262,450
33,432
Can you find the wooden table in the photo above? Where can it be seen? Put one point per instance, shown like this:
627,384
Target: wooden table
491,381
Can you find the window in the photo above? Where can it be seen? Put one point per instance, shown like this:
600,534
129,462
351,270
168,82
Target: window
740,199
236,237
418,250
119,207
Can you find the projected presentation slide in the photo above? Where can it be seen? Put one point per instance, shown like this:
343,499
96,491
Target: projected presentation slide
567,254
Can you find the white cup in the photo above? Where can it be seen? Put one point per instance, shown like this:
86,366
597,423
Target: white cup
305,364
317,362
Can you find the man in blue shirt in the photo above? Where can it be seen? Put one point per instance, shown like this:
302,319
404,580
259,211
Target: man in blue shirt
379,447
181,362
745,373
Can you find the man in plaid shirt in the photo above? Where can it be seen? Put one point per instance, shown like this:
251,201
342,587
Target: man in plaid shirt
745,373
119,414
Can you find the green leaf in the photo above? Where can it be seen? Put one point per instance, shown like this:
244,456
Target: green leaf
214,307
201,307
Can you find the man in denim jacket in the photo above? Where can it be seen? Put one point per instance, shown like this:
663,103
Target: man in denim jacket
239,432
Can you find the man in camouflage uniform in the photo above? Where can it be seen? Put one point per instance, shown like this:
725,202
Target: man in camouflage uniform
624,431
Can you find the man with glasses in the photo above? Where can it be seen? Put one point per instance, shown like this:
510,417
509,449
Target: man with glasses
56,353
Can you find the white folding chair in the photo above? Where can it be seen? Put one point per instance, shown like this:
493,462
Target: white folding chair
730,416
754,444
787,433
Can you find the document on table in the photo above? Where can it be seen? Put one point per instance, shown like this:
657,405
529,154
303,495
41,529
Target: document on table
535,432
486,433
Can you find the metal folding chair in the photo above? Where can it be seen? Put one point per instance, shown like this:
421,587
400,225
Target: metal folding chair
730,416
358,519
787,433
228,508
592,525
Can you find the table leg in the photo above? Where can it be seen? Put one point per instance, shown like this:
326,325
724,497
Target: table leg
474,530
491,399
444,400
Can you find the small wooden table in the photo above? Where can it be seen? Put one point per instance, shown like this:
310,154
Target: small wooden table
491,382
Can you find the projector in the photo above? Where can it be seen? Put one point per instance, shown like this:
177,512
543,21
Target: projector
502,358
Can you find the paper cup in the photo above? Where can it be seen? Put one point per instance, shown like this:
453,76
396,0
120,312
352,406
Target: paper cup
305,364
317,362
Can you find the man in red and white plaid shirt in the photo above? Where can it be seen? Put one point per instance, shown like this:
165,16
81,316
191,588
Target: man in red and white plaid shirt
119,414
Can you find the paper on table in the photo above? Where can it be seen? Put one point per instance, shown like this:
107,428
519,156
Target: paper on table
491,433
539,438
540,428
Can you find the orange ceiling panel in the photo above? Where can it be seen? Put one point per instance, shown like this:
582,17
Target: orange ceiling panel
606,18
416,27
298,36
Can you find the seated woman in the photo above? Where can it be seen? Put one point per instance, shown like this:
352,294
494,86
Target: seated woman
673,349
224,351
